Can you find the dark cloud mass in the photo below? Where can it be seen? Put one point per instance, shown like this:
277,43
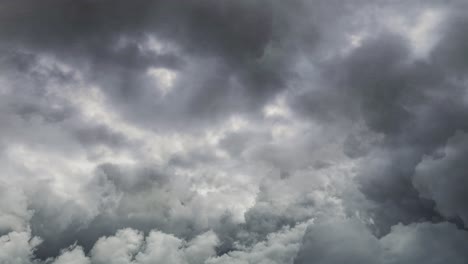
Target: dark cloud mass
223,131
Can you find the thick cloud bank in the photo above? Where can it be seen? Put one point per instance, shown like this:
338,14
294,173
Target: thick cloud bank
233,131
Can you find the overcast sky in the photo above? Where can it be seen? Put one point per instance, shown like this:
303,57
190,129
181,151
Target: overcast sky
233,132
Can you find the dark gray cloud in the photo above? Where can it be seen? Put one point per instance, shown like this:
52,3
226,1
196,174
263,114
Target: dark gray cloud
442,178
106,40
413,104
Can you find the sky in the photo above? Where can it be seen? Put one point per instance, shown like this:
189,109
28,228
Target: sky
233,132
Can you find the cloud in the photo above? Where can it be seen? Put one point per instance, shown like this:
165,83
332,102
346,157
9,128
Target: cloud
126,246
73,255
125,42
409,107
441,178
18,247
278,247
338,240
14,212
232,131
424,242
120,248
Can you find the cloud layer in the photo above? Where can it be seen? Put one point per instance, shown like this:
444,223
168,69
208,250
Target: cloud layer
153,131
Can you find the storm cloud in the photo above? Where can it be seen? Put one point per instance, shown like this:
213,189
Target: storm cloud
222,131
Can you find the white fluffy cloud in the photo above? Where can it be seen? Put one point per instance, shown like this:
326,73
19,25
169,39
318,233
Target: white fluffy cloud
18,247
328,241
14,212
73,255
130,246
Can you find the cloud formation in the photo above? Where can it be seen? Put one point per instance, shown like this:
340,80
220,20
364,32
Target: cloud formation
303,131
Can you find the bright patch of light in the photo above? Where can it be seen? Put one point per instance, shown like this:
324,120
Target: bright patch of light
278,108
236,123
66,174
421,35
420,30
164,78
156,45
355,40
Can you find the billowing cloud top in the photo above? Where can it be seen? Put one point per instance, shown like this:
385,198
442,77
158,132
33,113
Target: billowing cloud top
233,131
